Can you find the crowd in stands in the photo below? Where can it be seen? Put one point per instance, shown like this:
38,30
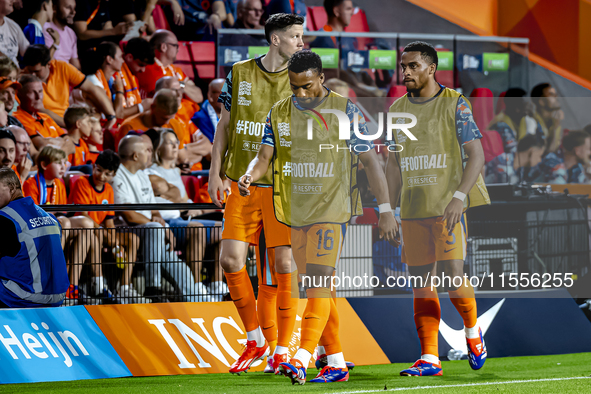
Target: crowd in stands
91,87
536,148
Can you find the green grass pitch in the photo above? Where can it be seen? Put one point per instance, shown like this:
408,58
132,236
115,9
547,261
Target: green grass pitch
566,373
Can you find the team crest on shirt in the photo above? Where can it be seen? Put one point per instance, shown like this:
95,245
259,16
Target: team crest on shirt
104,202
244,89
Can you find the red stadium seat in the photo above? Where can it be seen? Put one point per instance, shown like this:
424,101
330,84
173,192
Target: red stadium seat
500,103
202,51
482,107
352,95
160,18
184,54
72,180
205,71
189,182
445,77
187,69
395,91
492,144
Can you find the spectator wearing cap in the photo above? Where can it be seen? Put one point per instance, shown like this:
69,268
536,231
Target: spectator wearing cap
25,152
8,89
40,127
549,114
58,77
63,18
166,48
42,13
14,42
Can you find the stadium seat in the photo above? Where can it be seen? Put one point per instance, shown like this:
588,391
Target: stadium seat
482,107
72,180
202,51
160,20
203,57
184,54
395,91
492,144
187,69
352,95
189,182
500,103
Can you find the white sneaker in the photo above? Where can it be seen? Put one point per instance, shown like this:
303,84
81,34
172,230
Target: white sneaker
128,295
199,293
218,290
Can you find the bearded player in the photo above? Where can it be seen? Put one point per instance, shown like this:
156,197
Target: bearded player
437,177
314,189
251,88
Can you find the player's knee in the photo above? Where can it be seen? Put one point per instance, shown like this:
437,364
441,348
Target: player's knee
231,262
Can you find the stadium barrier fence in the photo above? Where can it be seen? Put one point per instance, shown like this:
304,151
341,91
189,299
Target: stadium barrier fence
368,265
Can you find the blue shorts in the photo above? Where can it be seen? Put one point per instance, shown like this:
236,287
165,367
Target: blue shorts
179,226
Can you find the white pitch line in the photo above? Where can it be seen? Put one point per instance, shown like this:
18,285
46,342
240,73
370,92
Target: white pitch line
462,385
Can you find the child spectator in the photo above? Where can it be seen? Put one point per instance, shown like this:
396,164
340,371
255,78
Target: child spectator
77,120
95,189
47,188
42,13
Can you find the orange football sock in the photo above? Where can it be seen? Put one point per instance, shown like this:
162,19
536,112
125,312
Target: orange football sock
330,336
266,313
465,303
287,306
427,316
315,317
243,297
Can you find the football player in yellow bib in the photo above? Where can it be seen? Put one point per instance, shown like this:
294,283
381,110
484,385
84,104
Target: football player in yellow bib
436,175
314,192
251,88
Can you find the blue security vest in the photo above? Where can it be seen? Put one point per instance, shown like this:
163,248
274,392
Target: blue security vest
37,275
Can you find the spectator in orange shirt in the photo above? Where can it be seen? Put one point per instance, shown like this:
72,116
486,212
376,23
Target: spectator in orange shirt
166,48
58,77
77,119
137,54
103,67
161,114
95,189
176,87
22,162
47,188
40,127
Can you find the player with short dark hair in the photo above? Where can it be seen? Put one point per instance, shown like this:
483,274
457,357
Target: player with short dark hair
318,220
437,177
251,88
